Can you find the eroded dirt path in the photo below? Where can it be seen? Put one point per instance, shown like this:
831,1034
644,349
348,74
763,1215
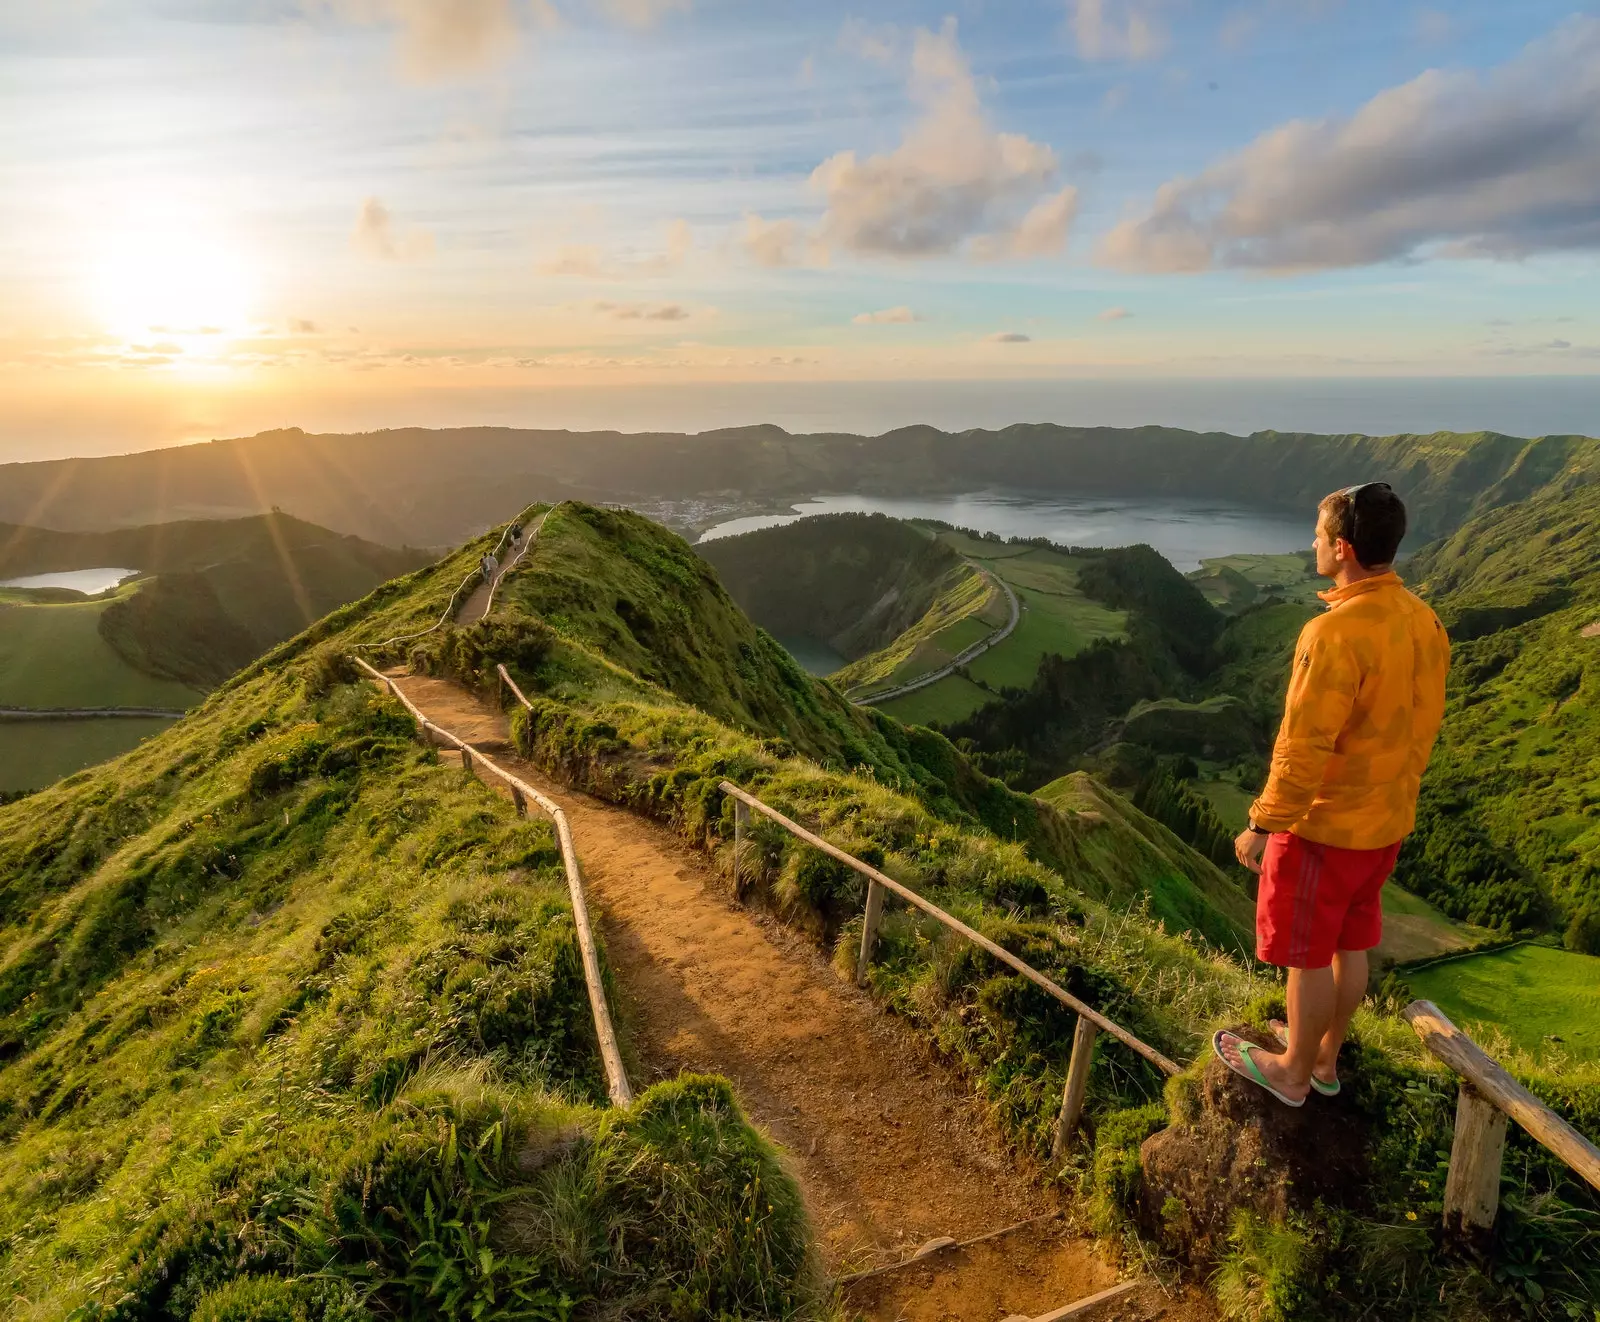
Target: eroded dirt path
889,1149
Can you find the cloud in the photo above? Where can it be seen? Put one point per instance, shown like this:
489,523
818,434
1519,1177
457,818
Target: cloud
643,13
885,317
1041,232
440,39
589,262
1449,164
643,311
1008,337
375,235
952,179
1113,314
300,326
446,38
1116,29
776,243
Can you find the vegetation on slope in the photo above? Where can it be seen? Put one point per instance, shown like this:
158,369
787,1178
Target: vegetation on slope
607,730
856,582
293,1024
213,594
1508,834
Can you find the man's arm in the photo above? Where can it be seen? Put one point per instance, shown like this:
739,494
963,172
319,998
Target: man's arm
1322,690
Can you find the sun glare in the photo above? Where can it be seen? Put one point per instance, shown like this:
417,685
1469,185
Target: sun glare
171,284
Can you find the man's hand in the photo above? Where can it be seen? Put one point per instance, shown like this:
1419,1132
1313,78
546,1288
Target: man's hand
1248,847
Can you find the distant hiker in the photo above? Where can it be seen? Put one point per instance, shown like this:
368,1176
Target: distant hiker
516,532
1366,698
489,565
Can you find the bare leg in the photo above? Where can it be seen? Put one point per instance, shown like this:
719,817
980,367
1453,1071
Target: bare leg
1313,1005
1350,982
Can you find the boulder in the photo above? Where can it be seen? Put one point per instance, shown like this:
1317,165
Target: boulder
1233,1145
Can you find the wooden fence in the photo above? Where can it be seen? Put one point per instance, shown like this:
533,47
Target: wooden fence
1488,1097
1091,1023
521,794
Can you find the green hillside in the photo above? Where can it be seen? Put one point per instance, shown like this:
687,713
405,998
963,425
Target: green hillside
293,1025
1104,900
1146,861
1508,828
293,1019
211,596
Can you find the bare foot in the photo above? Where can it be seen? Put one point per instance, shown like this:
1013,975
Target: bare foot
1271,1067
1324,1070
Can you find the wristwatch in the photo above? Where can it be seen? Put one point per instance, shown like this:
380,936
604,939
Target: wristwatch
1257,830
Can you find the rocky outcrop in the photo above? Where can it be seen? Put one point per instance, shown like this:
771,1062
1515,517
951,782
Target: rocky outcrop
1234,1146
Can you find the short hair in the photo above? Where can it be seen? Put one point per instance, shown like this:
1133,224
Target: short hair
1371,518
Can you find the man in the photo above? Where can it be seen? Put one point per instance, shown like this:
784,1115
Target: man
1366,698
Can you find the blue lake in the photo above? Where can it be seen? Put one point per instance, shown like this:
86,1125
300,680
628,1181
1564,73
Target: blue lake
1186,532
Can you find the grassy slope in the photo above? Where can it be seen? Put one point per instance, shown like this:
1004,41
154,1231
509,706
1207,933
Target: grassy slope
879,591
215,594
366,905
1147,860
638,743
967,612
54,656
1232,582
193,544
1508,831
35,753
283,998
1547,1002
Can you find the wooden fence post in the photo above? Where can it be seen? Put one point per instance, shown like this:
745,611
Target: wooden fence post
741,824
521,802
1077,1087
1472,1188
466,761
870,922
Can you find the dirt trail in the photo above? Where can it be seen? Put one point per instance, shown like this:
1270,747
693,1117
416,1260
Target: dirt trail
889,1149
476,605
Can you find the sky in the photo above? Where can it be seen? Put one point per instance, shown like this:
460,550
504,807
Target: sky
219,216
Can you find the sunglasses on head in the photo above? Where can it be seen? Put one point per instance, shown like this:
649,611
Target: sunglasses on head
1355,491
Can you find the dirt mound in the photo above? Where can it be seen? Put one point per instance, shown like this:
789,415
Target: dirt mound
1235,1146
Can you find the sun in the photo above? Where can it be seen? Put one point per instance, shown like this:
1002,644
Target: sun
171,283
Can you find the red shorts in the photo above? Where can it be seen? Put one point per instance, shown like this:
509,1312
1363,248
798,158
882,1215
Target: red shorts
1316,899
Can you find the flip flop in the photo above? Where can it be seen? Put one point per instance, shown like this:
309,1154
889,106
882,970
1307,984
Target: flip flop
1251,1071
1276,1028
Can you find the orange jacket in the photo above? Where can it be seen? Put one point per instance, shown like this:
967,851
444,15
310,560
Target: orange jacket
1365,702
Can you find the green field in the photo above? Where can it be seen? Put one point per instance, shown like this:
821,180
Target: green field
38,753
952,699
54,656
1544,1000
1231,803
1232,582
1056,616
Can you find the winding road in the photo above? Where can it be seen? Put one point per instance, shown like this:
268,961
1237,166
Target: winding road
970,654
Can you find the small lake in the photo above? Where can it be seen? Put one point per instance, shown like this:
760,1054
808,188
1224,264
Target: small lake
815,658
1184,531
90,582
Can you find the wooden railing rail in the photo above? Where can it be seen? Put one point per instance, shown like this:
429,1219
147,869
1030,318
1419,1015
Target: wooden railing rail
521,793
1090,1021
1488,1096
